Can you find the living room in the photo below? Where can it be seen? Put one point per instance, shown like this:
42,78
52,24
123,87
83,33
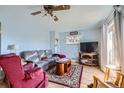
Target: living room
27,30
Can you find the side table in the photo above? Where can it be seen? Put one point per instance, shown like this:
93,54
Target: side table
63,66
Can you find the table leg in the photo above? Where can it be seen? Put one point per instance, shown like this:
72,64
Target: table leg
60,69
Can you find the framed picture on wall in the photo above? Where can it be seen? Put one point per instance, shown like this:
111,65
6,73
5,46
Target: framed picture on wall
72,39
74,33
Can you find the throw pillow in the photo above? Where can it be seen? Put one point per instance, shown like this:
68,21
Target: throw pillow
44,58
33,57
41,54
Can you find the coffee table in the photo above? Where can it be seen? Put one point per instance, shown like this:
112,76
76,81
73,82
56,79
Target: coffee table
63,66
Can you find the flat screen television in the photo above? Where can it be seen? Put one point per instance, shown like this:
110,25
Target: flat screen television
88,47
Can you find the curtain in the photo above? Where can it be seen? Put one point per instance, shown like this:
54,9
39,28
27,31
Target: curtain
117,39
116,42
103,47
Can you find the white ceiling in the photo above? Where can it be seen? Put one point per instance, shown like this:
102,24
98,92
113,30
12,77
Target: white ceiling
78,17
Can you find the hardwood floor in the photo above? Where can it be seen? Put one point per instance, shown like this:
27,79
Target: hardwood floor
87,78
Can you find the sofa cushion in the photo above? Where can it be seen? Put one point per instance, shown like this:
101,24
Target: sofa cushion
56,58
41,54
43,64
34,58
51,59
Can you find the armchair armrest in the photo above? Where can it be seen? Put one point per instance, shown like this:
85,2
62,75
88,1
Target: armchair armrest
45,75
46,79
28,66
32,73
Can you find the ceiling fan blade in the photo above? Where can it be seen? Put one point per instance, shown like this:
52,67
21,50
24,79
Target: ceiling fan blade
36,13
61,7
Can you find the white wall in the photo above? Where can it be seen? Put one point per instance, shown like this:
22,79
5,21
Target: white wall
22,29
72,50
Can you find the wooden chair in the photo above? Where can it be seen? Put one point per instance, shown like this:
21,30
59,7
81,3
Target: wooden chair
97,83
107,73
120,80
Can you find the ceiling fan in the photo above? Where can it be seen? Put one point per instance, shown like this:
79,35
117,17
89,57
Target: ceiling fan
49,9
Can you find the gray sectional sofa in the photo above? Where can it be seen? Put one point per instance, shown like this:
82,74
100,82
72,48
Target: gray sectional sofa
40,58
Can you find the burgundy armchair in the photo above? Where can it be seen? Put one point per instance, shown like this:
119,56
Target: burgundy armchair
20,76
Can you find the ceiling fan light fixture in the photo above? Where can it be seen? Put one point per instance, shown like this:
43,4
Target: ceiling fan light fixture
49,9
56,18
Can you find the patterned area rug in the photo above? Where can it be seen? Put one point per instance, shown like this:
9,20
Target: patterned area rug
71,79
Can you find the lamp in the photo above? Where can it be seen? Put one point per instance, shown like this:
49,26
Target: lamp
12,48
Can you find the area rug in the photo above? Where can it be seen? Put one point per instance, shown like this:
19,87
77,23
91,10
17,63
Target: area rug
71,79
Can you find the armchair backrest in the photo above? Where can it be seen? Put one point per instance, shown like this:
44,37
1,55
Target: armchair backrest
12,68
